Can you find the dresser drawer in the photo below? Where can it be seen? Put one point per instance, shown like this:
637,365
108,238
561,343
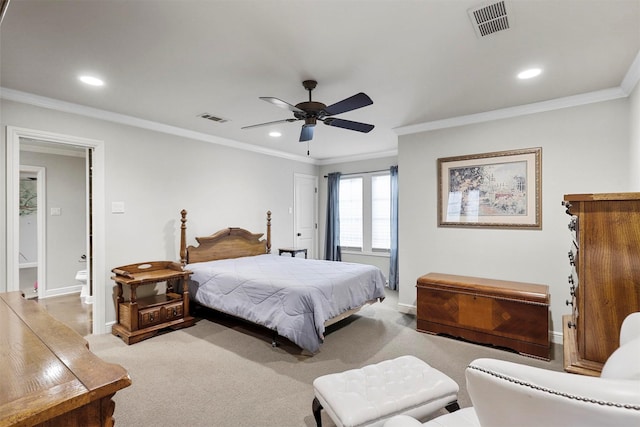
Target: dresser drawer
149,316
172,311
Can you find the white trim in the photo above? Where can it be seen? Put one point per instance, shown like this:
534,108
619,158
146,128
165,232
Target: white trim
13,175
68,290
521,110
381,254
81,110
41,231
632,77
358,157
407,309
50,150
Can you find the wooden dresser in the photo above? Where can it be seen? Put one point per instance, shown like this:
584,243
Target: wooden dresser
48,376
507,314
604,279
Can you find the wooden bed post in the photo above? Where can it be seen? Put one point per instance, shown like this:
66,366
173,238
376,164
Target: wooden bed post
183,238
268,232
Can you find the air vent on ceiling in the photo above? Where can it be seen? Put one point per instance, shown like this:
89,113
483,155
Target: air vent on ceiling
213,118
489,18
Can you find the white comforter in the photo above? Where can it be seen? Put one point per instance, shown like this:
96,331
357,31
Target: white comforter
292,296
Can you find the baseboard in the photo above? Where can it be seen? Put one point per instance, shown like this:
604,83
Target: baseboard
62,291
407,309
554,336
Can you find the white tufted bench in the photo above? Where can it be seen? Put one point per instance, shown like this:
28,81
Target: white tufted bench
370,395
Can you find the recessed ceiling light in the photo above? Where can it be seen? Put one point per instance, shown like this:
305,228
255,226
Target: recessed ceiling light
530,73
90,80
275,134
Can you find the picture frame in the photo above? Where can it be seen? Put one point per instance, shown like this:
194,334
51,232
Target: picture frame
493,190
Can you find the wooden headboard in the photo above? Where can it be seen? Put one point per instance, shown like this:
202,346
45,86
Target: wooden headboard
232,242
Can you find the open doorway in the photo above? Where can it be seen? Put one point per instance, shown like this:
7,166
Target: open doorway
85,253
64,241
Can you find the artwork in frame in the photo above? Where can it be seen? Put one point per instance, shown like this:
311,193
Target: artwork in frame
500,189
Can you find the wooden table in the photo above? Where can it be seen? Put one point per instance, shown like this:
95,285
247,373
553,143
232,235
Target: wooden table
48,376
293,251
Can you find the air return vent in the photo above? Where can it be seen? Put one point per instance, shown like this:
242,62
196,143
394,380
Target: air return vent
213,118
489,19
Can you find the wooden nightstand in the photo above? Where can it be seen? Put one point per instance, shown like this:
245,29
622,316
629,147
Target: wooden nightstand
141,318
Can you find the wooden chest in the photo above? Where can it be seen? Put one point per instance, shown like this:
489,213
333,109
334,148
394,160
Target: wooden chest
501,313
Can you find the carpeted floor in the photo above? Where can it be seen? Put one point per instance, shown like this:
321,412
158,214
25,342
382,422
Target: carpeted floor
222,372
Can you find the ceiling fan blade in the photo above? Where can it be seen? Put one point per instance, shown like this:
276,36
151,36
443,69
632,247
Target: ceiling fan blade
348,124
280,103
307,133
269,123
354,102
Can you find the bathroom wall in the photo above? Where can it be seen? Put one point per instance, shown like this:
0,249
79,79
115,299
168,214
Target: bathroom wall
65,232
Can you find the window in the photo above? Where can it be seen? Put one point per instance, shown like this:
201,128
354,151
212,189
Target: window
351,213
380,212
365,212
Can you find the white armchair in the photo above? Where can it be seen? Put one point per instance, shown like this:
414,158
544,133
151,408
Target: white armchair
510,394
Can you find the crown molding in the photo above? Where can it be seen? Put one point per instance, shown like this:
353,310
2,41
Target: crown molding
521,110
81,110
355,158
624,90
632,77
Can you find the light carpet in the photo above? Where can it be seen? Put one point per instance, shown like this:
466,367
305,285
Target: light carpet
224,372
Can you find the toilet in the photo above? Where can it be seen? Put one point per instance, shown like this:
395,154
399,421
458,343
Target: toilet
82,276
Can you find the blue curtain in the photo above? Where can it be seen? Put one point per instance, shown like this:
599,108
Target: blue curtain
332,235
393,256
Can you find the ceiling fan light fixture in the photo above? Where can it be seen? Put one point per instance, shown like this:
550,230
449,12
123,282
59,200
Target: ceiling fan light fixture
529,73
312,111
275,134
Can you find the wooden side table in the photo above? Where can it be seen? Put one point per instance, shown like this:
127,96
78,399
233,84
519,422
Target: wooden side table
141,318
293,251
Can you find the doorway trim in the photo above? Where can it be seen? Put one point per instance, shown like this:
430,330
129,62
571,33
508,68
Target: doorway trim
98,274
41,197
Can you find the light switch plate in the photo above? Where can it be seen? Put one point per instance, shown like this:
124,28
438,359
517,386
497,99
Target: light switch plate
117,207
56,211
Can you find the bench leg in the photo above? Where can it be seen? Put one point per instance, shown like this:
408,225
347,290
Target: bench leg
452,407
317,407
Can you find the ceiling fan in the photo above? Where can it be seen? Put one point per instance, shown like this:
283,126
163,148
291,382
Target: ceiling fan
312,111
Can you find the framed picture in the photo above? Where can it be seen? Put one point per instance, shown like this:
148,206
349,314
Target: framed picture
500,189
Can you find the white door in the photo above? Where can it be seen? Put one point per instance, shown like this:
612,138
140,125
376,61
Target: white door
305,200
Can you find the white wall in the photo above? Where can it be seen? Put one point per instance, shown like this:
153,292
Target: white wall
584,149
156,175
634,125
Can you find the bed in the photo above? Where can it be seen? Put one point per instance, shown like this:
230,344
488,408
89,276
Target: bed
235,273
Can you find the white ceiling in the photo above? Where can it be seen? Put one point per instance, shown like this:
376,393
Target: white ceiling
419,60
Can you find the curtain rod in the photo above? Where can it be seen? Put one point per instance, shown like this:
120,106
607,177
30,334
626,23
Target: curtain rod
361,173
